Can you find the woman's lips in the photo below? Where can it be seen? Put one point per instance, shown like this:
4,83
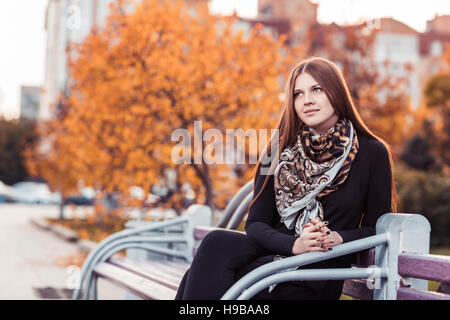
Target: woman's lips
311,111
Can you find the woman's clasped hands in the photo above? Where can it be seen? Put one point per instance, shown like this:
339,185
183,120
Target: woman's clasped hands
316,237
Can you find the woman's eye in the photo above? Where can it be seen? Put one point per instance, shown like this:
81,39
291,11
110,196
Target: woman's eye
317,89
297,94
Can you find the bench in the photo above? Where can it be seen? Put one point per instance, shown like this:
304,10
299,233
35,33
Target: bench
393,264
158,238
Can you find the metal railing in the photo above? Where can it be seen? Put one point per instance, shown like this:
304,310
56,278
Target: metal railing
136,238
273,272
395,235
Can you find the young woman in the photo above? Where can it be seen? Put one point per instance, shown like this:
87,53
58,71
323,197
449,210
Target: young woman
332,181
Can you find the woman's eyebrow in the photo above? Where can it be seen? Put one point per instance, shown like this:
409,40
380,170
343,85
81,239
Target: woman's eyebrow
314,85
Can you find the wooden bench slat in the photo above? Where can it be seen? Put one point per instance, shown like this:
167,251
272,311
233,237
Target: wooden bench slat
175,264
416,294
201,231
430,267
150,271
142,287
366,258
357,289
173,270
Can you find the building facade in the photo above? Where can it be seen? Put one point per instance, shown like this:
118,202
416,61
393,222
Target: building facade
397,56
29,102
301,15
399,52
66,21
70,21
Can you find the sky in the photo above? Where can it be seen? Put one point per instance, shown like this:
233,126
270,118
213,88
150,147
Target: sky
22,34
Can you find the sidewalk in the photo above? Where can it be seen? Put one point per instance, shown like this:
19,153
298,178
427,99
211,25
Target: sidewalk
33,262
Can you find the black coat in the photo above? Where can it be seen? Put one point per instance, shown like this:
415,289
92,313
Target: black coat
352,210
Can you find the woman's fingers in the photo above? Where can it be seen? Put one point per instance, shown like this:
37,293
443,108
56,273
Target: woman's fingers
328,243
316,246
317,239
314,235
315,220
325,230
311,227
317,224
316,249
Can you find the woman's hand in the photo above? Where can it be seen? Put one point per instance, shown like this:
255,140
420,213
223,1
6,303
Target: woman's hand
311,239
316,237
332,238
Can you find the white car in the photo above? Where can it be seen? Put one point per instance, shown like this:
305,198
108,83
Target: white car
34,192
6,192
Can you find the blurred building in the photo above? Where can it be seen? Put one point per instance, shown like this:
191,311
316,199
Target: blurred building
291,18
432,46
272,26
71,21
29,102
440,24
300,14
65,21
397,55
399,52
402,52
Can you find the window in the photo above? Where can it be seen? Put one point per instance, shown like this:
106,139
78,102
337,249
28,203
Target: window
267,10
436,48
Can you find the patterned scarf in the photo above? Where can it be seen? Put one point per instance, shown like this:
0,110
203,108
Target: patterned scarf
312,168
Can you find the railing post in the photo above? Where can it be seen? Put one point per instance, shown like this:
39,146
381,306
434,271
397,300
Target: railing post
407,233
198,215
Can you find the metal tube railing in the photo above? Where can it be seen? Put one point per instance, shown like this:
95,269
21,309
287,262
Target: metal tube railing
127,243
303,259
91,278
313,274
234,203
92,257
240,212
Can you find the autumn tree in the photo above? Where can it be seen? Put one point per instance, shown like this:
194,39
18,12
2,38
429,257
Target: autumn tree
48,156
437,95
152,71
15,137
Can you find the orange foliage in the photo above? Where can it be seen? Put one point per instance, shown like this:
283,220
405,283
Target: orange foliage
152,71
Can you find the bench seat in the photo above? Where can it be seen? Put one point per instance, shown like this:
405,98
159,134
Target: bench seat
404,262
159,279
153,280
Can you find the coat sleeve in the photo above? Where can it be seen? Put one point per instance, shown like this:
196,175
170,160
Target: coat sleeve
263,215
378,199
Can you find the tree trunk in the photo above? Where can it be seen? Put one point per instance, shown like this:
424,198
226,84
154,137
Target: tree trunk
61,209
203,173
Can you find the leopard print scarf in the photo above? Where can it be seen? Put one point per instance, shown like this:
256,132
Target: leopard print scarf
312,168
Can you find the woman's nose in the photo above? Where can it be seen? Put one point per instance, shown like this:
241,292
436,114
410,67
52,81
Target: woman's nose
308,99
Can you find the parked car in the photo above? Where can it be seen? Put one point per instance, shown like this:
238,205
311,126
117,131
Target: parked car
84,198
6,193
34,192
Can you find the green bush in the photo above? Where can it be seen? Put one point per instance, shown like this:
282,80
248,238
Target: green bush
426,193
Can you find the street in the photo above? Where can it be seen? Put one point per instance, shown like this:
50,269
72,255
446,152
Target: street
34,263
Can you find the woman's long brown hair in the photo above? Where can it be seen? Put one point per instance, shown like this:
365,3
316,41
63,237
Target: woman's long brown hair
333,83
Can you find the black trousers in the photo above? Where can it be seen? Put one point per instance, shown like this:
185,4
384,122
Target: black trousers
225,256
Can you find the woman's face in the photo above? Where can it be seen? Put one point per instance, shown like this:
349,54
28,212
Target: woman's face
312,105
